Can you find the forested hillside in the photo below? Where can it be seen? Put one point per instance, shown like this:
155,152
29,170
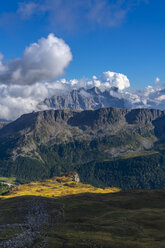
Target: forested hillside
108,147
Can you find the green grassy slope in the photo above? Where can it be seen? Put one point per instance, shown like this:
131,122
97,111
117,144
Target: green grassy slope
121,220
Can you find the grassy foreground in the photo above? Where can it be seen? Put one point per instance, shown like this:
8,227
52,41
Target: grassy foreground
80,218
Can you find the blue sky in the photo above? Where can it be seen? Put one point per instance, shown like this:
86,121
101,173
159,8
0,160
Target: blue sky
128,38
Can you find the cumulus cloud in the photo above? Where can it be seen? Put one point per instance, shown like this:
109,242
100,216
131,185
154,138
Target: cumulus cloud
112,79
41,61
106,81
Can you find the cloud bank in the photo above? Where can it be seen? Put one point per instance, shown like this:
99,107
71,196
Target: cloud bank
41,61
17,99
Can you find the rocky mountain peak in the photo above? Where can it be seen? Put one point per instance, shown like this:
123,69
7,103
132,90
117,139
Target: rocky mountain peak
83,99
94,90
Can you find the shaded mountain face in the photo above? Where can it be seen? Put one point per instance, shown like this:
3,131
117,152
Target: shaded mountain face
3,123
107,147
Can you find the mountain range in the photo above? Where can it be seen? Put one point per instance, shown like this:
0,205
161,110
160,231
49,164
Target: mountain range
94,98
107,147
84,99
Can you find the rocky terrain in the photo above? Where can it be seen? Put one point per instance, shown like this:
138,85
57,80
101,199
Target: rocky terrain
94,98
33,219
50,127
84,99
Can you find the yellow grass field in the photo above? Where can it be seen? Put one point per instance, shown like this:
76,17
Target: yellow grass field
55,187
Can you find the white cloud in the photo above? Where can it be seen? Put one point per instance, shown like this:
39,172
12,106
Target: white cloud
26,10
112,79
161,98
71,14
16,100
157,80
105,81
42,61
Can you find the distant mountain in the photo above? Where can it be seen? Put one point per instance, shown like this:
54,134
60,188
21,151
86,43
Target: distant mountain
83,99
95,98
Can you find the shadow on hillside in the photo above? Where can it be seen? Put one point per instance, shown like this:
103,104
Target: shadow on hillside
129,199
85,220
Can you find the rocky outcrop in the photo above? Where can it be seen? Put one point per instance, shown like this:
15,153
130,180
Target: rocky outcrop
36,220
73,176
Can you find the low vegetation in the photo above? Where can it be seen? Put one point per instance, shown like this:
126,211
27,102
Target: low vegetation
55,187
132,171
6,184
124,219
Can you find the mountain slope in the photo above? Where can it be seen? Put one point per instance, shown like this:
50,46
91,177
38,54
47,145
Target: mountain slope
120,220
48,143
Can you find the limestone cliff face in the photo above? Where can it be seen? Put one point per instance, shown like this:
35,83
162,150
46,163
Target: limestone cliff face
136,129
58,120
83,99
143,116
